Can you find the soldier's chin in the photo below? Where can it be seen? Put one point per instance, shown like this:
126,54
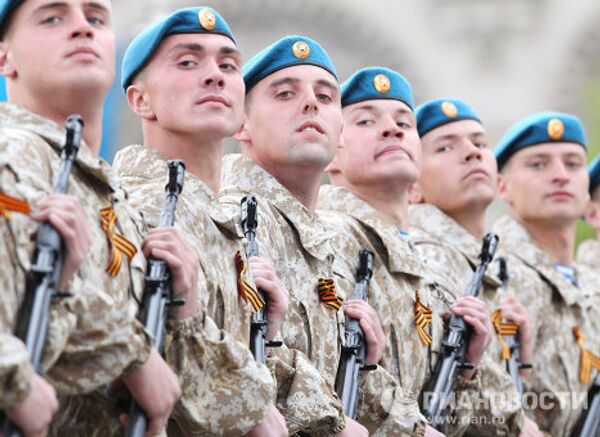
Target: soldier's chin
92,81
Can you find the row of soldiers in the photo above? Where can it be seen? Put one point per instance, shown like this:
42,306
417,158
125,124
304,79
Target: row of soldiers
183,77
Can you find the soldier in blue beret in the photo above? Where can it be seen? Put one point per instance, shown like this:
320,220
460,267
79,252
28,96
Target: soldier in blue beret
293,123
544,181
374,165
58,59
457,184
182,76
588,252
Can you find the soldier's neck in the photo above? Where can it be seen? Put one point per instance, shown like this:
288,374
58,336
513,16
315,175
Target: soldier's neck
303,184
558,241
59,106
470,219
389,199
202,157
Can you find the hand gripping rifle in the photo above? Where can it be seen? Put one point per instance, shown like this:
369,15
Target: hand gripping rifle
158,293
589,424
259,321
456,342
354,352
46,267
513,364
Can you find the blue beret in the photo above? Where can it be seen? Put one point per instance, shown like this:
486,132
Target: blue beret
435,113
7,7
287,52
373,83
540,128
594,172
188,20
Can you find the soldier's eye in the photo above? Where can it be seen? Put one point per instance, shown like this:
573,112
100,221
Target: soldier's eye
324,98
96,21
186,63
51,20
285,94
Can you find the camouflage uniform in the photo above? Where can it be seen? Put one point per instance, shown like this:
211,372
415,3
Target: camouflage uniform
295,241
558,306
94,336
390,404
225,392
15,371
588,253
450,255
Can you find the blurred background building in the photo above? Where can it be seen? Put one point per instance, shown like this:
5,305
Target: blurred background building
508,58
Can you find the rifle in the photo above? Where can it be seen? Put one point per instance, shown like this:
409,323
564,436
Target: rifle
354,352
46,267
456,342
589,423
259,321
158,292
513,364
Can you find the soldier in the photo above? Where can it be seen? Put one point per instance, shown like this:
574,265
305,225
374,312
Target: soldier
543,180
293,121
58,59
588,252
182,77
376,163
448,223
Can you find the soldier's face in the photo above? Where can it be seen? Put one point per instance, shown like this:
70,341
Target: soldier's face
380,143
546,183
458,168
66,44
194,85
294,118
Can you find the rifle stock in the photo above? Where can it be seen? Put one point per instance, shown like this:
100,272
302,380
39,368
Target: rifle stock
456,342
158,293
46,267
354,351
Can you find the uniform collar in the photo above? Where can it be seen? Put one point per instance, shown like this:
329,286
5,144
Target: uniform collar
430,223
401,256
435,222
516,240
140,162
17,117
240,173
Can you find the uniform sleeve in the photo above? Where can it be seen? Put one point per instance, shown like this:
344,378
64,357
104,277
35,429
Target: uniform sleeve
486,405
225,392
93,336
15,371
387,410
304,398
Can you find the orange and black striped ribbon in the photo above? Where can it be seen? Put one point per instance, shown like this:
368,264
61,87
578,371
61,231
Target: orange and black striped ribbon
246,290
502,329
10,204
422,316
328,295
588,359
118,244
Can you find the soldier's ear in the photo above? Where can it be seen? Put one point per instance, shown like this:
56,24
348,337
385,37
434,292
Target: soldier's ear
139,101
7,69
415,195
592,215
503,191
242,135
